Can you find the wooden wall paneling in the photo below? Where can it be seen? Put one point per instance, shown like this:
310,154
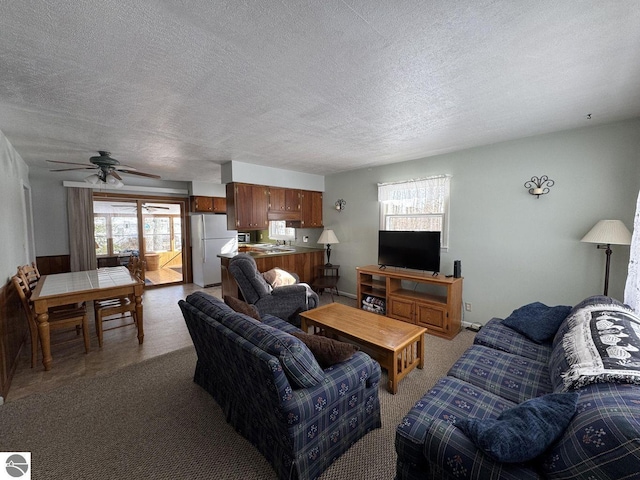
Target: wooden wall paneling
53,264
13,335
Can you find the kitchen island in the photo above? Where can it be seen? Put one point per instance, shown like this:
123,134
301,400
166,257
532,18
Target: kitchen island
299,260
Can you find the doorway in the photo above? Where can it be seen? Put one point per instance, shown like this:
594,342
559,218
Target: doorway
151,228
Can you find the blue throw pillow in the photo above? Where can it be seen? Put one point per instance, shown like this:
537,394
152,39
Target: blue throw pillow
525,431
536,321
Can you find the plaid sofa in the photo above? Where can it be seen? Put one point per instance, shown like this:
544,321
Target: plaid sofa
273,392
502,369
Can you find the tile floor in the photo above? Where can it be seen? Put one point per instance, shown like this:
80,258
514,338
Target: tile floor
164,332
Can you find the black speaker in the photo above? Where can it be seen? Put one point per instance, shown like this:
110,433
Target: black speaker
457,269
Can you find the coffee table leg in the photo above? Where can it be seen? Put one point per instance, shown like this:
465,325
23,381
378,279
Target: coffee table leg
421,351
392,372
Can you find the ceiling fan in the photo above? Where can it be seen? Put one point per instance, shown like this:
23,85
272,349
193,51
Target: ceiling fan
145,207
109,169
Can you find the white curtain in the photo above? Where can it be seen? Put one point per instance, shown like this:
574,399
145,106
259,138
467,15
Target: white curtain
421,204
632,288
82,243
426,195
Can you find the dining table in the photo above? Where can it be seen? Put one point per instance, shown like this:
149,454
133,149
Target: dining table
77,287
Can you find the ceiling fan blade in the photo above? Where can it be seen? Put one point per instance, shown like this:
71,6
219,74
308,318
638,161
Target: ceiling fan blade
115,174
69,169
130,172
157,207
69,163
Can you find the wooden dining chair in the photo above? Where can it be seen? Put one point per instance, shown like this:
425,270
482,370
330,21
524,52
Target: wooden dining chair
124,307
30,273
59,319
31,276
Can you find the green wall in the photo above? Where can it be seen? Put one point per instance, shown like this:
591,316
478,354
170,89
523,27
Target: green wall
515,248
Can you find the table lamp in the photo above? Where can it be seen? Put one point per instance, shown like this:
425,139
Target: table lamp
328,237
607,233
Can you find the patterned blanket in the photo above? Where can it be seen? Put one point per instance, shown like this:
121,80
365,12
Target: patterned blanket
602,345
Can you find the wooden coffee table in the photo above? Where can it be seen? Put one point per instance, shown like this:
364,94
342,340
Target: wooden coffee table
397,346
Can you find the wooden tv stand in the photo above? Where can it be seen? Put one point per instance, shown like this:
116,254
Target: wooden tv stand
433,302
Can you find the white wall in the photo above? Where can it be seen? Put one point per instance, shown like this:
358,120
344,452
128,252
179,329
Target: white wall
274,177
13,234
208,189
515,249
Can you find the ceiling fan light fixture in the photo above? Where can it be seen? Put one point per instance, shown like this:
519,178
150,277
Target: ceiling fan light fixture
113,181
92,179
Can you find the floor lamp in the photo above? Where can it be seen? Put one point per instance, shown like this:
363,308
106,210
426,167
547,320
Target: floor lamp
606,233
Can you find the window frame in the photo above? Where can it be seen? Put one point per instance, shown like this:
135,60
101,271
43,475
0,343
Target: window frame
444,200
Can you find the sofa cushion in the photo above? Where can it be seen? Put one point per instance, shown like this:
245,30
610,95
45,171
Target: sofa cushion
242,307
497,336
512,377
537,321
602,345
327,351
524,432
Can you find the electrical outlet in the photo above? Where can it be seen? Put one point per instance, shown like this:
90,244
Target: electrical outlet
305,239
467,306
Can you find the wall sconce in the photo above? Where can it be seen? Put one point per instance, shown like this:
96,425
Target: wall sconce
539,186
340,204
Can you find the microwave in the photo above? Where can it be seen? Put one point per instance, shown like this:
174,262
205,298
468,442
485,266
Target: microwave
244,237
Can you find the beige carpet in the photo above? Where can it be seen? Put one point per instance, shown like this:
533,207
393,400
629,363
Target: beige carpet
150,421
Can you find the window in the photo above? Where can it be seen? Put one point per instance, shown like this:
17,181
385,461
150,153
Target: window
416,205
124,231
157,233
279,231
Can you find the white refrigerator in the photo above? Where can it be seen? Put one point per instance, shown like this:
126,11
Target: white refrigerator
210,237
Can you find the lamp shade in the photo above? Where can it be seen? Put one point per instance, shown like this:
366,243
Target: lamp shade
612,232
327,236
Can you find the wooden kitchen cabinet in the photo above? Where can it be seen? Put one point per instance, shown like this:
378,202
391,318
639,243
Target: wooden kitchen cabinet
284,204
250,207
208,204
311,209
247,206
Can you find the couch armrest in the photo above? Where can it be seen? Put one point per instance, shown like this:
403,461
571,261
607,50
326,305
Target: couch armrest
297,288
355,377
447,447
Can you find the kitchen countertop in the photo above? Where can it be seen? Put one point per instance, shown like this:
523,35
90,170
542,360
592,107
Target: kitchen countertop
262,250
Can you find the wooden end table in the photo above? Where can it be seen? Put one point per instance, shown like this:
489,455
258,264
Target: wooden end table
398,346
326,279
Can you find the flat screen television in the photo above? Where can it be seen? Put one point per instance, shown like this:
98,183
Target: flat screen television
415,250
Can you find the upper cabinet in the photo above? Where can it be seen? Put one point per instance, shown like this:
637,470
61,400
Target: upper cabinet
208,204
247,206
284,204
311,209
250,207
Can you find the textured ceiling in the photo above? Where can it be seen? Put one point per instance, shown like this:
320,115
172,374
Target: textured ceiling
179,87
